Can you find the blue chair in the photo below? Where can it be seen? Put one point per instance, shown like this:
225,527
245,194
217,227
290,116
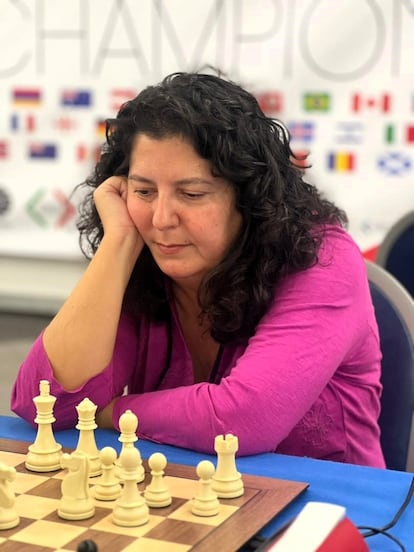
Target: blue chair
394,311
396,252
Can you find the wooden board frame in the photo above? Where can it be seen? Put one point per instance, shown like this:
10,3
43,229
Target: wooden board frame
264,498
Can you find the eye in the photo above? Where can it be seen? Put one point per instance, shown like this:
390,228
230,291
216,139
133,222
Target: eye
144,193
193,195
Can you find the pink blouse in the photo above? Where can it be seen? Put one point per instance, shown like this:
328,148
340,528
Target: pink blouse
306,383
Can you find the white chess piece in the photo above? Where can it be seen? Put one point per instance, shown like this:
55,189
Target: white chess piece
76,502
108,488
86,442
130,509
157,494
44,454
205,503
8,514
227,481
128,424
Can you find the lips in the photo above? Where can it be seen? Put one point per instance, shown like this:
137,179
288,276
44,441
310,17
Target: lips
170,249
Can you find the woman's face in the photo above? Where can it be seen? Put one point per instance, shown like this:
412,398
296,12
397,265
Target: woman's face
185,215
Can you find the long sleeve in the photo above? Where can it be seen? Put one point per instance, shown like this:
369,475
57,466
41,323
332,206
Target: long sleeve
306,383
100,389
318,340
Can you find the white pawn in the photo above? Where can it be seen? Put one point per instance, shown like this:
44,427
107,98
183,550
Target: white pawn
8,514
108,487
205,503
128,424
227,481
157,494
86,442
44,454
76,502
130,509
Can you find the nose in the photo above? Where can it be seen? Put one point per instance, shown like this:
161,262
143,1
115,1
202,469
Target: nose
164,213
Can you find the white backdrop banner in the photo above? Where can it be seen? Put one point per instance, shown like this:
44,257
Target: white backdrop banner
338,73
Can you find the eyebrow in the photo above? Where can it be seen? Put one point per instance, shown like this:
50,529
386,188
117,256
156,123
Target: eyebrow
181,182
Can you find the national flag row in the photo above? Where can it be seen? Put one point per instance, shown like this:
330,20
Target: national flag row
353,132
389,162
343,132
50,151
70,97
30,123
272,101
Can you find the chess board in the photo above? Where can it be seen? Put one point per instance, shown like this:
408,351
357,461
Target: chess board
173,528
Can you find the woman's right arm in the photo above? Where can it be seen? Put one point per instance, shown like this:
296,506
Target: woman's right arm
80,339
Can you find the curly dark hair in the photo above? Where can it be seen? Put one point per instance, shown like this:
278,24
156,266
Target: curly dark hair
283,216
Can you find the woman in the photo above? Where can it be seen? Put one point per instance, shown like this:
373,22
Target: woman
223,294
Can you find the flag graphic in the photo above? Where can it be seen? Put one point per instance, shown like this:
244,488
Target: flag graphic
119,96
349,132
42,151
86,153
320,101
4,150
341,161
302,131
22,122
390,134
360,102
394,163
65,123
270,102
100,128
81,153
76,98
30,97
394,133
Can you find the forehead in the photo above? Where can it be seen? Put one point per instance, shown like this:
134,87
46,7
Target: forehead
168,153
172,160
143,141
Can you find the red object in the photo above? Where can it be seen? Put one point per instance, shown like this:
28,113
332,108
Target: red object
382,103
344,538
3,150
371,254
270,102
410,133
31,123
320,527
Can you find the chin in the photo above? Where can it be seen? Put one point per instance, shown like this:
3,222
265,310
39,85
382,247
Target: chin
182,277
178,276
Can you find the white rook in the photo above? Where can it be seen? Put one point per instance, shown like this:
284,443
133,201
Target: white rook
227,481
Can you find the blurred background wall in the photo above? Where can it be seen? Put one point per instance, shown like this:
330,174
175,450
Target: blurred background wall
338,73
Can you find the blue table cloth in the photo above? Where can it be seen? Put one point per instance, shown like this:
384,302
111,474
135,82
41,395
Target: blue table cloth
371,496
